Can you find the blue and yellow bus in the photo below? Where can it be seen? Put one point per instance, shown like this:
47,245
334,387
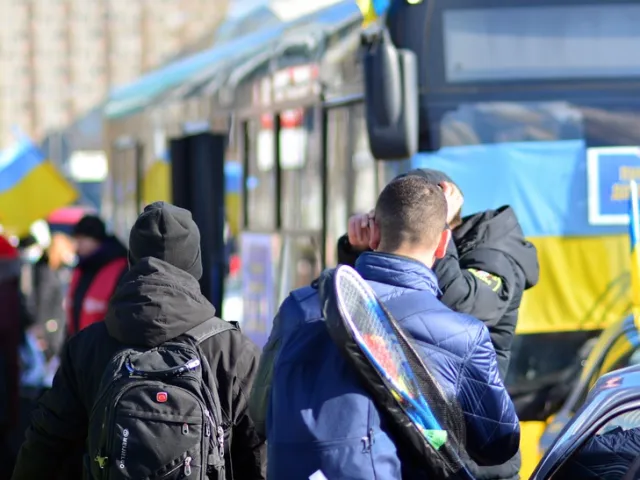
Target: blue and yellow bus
531,103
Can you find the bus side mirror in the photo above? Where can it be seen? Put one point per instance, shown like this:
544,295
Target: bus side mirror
391,96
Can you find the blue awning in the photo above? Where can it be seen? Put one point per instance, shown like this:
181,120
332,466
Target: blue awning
135,96
131,98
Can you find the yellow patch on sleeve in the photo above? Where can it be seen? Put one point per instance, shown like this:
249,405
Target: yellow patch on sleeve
492,281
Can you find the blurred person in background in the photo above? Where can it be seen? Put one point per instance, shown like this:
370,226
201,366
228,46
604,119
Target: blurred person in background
102,261
52,277
48,258
14,321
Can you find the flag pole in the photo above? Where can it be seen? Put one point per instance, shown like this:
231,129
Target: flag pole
634,234
635,212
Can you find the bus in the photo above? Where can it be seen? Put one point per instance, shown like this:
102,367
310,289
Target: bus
531,103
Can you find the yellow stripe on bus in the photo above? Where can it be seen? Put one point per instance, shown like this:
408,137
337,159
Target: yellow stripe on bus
584,284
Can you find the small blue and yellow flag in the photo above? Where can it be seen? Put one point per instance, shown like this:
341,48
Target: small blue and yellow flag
634,235
156,182
372,9
30,187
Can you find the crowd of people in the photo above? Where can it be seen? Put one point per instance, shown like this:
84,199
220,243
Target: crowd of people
47,278
297,408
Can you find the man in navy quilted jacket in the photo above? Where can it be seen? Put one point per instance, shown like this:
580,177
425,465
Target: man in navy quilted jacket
318,415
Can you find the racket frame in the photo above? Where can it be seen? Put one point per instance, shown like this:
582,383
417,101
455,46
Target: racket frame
336,306
427,419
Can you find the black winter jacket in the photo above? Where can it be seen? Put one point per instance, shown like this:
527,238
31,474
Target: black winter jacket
487,268
153,303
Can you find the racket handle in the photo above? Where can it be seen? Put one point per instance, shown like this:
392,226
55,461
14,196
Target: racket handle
425,412
429,417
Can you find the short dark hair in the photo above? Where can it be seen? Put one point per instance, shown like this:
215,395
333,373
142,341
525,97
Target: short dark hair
410,211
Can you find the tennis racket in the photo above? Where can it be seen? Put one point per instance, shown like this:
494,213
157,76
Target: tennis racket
371,339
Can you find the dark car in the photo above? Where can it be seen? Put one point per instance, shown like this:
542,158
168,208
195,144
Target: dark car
617,347
602,440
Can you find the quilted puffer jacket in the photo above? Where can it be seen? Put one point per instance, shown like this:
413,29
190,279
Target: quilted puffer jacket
317,408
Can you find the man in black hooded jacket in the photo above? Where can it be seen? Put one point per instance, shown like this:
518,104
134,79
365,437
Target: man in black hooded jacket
158,300
488,265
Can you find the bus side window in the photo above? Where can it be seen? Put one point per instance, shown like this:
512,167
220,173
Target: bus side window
260,175
634,359
618,356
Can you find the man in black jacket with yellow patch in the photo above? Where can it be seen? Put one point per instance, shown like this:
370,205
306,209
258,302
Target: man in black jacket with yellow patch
158,300
488,265
487,268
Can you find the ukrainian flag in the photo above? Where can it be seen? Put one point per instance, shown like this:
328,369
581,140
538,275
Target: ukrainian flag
156,183
30,187
634,234
372,9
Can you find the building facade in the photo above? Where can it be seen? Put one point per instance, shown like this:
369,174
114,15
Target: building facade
59,58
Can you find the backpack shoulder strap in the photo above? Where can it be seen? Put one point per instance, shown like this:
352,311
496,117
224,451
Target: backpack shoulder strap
209,328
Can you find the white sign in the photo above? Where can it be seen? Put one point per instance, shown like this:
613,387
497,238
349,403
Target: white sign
293,148
88,166
609,171
265,150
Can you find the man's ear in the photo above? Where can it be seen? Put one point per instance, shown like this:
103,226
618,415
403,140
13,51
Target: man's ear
441,249
374,234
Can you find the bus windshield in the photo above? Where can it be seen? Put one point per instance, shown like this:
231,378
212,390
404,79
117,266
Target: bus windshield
541,42
536,104
597,121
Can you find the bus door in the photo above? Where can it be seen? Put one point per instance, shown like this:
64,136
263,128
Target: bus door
126,191
198,184
282,240
352,180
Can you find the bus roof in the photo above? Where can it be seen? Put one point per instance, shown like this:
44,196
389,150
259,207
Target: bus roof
129,99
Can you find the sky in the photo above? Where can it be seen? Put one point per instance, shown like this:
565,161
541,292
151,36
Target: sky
286,9
241,7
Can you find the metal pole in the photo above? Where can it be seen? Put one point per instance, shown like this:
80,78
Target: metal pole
635,213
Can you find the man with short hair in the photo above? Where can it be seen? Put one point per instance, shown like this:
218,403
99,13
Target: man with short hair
487,267
157,301
319,416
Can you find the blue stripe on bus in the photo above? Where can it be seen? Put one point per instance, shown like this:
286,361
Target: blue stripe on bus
545,183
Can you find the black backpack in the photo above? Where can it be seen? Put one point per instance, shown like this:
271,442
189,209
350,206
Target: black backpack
157,413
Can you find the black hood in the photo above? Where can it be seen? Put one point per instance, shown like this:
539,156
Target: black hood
110,249
500,230
155,302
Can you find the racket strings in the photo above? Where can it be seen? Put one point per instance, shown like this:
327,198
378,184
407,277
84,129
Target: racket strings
389,345
372,340
378,339
446,408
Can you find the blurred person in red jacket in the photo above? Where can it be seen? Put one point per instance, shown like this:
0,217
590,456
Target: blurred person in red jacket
102,261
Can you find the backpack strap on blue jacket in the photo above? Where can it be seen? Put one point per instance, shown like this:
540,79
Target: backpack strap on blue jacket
327,273
209,328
